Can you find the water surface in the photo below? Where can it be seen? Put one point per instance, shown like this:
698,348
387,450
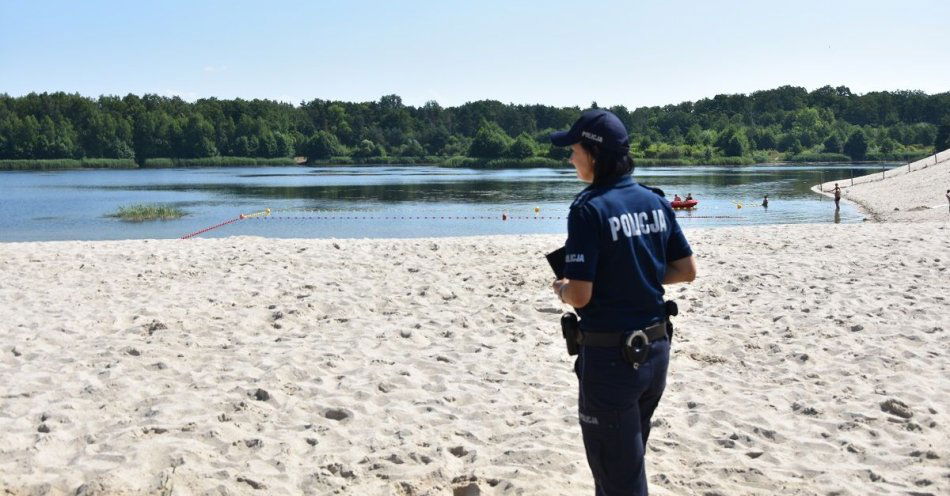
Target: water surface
387,201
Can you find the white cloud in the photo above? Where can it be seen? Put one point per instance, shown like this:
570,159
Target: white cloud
188,96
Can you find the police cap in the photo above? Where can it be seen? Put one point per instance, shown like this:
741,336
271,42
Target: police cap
595,126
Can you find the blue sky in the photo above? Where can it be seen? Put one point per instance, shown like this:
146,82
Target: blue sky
561,53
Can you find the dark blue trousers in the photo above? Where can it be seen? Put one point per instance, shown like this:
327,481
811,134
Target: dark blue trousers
615,404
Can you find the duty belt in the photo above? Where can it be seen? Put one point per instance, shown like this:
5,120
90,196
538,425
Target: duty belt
652,333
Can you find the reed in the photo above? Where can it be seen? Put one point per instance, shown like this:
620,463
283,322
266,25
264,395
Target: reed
647,162
500,163
387,160
146,212
899,156
162,162
818,157
67,163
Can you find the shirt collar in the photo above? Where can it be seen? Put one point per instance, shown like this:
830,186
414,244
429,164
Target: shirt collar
626,180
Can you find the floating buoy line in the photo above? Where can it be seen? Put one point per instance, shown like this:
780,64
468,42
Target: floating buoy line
282,215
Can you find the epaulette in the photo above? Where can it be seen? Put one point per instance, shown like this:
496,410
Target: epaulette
655,190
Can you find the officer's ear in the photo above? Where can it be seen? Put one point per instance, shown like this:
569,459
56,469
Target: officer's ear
593,151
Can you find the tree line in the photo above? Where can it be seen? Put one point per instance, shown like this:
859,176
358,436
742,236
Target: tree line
786,123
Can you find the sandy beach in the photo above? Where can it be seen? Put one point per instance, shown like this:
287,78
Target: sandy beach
911,193
808,360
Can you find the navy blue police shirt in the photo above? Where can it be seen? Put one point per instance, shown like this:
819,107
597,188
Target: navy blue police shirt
621,237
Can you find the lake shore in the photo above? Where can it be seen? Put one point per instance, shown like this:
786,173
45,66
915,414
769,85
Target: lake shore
807,361
446,162
913,192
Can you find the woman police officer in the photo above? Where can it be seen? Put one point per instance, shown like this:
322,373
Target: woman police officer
623,244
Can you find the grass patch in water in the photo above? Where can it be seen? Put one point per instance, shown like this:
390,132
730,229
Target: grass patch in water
144,212
67,163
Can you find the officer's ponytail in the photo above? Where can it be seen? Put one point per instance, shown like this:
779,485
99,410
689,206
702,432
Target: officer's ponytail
609,165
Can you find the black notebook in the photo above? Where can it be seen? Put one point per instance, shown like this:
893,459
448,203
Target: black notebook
556,259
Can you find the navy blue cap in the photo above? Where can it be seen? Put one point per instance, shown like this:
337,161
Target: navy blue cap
595,126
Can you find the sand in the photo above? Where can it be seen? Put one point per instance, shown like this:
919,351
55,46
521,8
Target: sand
911,193
809,359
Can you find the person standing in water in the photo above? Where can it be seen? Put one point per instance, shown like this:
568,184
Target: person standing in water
837,191
765,201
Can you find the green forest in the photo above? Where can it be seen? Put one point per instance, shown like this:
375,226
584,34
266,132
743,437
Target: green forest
786,124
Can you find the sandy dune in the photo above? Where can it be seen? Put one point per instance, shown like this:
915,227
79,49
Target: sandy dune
809,360
914,192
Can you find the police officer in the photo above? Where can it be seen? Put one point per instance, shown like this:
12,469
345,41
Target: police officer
623,244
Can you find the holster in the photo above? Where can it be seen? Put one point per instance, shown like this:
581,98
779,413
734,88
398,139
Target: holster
569,329
671,311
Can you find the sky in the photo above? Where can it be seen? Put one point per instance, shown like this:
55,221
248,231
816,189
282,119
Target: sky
632,53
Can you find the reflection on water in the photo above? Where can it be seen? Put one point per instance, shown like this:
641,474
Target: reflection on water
464,191
74,204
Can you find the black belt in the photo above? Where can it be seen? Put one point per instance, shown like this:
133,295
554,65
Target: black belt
655,332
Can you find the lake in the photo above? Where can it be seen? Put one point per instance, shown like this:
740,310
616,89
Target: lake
388,201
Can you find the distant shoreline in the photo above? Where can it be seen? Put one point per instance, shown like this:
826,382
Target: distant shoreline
447,162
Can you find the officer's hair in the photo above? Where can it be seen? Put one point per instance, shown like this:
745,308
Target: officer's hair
609,165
